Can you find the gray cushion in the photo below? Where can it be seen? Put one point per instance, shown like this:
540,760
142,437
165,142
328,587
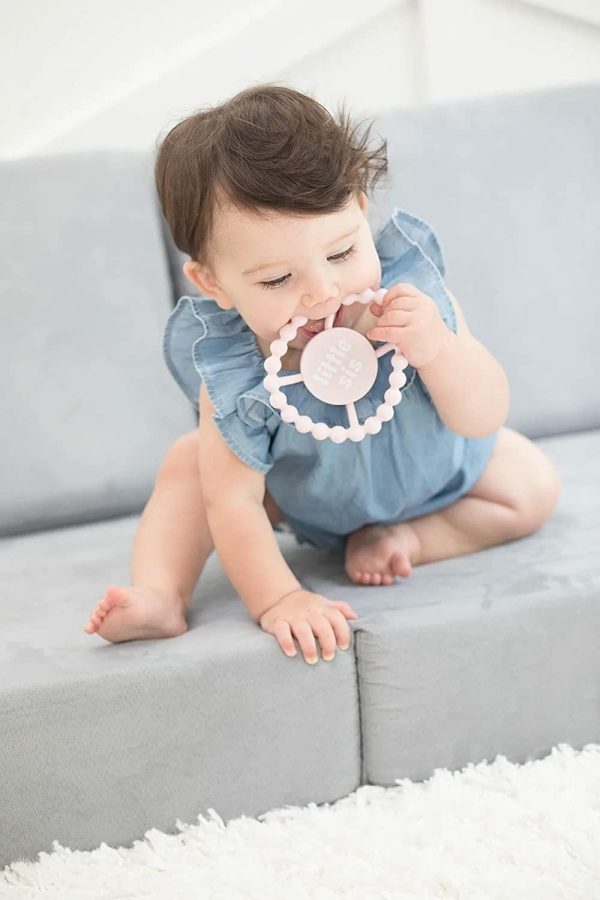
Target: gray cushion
494,652
102,741
511,186
88,407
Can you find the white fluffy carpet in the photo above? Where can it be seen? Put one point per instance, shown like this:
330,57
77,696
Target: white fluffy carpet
494,831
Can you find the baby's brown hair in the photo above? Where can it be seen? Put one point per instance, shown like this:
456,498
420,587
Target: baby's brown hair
269,147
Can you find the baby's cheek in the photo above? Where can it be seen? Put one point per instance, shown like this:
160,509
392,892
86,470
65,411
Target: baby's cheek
373,275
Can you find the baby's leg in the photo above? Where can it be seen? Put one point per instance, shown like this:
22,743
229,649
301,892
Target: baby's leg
516,493
171,546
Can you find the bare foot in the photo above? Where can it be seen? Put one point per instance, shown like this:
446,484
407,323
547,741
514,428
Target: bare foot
136,613
376,554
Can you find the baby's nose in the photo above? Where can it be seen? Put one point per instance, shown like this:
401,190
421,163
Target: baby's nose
319,307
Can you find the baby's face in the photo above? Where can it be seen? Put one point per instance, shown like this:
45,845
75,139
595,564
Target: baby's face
282,266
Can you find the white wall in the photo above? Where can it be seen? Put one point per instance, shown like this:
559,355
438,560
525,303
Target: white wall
118,73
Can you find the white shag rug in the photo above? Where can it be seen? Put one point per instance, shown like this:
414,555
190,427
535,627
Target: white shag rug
495,831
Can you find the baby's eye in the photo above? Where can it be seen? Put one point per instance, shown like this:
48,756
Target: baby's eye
276,283
339,257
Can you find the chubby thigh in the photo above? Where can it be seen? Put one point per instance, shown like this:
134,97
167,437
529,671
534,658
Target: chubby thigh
181,462
519,475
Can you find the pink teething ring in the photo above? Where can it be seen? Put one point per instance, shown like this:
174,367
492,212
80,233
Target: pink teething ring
338,366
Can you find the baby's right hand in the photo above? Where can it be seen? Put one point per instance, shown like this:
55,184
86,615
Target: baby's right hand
306,615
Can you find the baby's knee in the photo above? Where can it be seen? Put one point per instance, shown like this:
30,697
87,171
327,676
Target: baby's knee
181,458
542,495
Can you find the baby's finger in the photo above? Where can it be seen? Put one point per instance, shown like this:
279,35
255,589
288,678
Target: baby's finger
402,289
395,317
345,608
401,305
304,633
283,633
323,630
340,627
394,334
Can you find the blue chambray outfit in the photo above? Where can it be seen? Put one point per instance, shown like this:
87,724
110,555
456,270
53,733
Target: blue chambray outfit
413,466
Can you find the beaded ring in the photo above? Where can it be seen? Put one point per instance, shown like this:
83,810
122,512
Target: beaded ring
338,366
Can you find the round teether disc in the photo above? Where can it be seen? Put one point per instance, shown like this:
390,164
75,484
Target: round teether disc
338,366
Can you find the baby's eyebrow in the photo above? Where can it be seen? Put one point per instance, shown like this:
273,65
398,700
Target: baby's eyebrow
283,262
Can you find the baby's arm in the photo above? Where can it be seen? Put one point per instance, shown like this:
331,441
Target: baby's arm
247,547
468,387
467,384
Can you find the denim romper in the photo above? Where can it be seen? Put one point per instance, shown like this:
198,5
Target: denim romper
413,466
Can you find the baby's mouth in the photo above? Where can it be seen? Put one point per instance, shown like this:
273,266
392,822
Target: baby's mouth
315,326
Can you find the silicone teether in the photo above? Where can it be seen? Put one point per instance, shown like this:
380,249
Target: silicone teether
338,366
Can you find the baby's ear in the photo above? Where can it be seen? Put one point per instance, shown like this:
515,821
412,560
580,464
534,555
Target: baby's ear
198,276
192,272
206,283
363,201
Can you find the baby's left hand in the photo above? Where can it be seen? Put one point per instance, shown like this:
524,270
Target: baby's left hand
411,320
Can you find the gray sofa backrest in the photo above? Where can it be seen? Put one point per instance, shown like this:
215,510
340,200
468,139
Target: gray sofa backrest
511,185
87,406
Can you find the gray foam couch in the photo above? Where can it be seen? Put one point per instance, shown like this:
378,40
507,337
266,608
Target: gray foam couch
493,653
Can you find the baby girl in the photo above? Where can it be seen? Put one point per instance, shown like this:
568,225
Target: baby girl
267,195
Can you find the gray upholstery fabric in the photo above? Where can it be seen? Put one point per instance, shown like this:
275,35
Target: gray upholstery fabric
511,185
87,407
102,741
494,652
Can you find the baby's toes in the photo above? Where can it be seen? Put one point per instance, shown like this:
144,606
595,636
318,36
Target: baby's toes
356,575
93,622
400,564
387,579
103,607
115,596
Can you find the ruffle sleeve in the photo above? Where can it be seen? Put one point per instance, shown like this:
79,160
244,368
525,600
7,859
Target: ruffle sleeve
203,343
409,251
